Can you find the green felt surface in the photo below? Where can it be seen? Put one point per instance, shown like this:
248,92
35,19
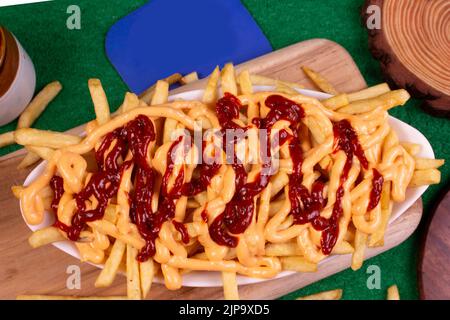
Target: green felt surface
73,56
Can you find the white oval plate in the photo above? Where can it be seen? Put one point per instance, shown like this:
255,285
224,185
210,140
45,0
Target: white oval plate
213,279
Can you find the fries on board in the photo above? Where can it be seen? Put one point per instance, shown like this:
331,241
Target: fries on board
305,179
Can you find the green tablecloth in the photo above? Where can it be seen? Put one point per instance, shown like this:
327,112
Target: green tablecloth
74,56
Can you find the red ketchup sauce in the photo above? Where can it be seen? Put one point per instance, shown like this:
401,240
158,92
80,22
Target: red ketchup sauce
375,193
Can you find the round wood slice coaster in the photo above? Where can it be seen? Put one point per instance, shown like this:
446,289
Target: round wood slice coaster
434,261
413,47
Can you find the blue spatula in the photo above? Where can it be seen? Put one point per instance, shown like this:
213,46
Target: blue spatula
168,36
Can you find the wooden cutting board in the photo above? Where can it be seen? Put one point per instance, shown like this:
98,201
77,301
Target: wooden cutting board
43,271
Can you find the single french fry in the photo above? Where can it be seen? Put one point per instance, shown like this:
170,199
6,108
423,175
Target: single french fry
147,95
100,101
43,138
230,287
412,148
110,229
161,93
130,102
111,213
16,190
343,247
133,284
425,177
7,139
38,104
282,249
44,297
228,80
368,93
245,83
423,164
360,246
147,272
259,80
298,264
319,81
387,101
326,295
42,152
336,101
30,159
392,293
106,277
191,77
45,236
283,88
210,94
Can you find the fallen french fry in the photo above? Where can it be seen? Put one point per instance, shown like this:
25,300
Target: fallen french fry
7,139
392,293
319,81
326,295
38,104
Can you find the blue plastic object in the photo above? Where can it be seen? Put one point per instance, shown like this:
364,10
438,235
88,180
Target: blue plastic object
167,36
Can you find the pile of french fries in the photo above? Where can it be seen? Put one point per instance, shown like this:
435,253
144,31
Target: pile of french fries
140,275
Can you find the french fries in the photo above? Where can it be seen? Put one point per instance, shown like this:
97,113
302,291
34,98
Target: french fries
298,264
38,104
412,148
191,77
392,293
326,295
43,138
41,152
133,279
368,93
6,139
100,101
228,81
230,287
319,81
16,190
424,164
147,95
112,264
425,177
259,80
210,94
146,272
377,238
282,249
360,246
386,101
130,102
336,101
30,159
45,236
